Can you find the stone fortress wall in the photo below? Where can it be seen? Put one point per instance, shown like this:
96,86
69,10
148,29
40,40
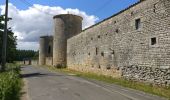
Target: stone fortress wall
138,36
46,50
134,43
66,26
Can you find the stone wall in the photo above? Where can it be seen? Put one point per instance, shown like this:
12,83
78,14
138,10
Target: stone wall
111,72
49,61
65,26
27,62
34,62
45,48
139,35
158,76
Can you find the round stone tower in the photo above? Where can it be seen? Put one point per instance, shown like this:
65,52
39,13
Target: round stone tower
45,49
66,26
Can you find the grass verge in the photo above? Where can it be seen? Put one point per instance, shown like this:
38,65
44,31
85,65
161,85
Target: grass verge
10,83
152,89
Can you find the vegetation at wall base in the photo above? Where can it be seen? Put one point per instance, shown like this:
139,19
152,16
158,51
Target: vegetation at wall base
10,83
148,88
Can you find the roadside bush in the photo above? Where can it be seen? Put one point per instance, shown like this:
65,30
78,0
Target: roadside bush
10,83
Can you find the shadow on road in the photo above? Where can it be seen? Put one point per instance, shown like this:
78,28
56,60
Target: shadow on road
37,74
32,75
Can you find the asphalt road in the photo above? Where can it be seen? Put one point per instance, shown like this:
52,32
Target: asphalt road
46,85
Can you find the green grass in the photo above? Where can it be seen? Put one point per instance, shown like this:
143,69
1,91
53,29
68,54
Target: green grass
10,83
148,88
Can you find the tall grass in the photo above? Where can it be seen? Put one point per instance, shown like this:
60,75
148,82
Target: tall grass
10,83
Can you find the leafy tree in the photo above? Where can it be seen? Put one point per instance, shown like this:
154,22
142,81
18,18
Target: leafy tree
11,42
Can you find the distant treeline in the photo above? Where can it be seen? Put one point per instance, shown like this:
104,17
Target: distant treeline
23,54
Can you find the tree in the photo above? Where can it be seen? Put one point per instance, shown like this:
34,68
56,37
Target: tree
11,42
24,54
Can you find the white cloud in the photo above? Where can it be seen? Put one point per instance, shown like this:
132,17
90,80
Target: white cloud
28,45
28,25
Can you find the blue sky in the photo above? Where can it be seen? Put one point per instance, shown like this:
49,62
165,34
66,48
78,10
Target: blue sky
100,8
30,21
